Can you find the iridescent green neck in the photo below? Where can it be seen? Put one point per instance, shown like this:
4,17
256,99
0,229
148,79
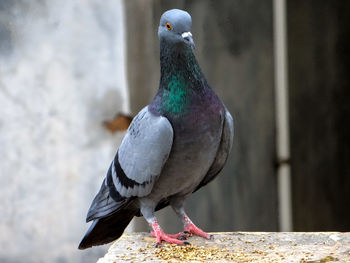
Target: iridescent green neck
175,95
181,77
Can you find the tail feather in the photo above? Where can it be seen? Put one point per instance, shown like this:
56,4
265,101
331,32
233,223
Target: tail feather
107,229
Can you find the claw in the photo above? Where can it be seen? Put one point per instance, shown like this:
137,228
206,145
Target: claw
183,237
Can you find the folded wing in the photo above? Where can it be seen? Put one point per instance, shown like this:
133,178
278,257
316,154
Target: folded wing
136,166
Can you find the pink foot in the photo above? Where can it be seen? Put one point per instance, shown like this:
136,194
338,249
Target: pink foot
190,227
179,236
161,236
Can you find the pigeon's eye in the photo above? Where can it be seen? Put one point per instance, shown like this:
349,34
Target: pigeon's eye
168,26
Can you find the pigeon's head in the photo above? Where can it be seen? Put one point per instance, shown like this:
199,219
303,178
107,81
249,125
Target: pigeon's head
175,28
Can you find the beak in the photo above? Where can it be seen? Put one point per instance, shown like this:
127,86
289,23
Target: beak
188,38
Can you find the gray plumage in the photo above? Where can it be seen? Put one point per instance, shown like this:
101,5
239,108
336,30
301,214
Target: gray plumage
147,143
173,147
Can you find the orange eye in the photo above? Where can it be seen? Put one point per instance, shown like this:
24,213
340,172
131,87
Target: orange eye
168,26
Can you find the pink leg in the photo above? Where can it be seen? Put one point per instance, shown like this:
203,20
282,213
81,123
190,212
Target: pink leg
161,236
190,227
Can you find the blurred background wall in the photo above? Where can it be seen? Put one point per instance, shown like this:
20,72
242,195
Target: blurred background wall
66,66
62,73
319,70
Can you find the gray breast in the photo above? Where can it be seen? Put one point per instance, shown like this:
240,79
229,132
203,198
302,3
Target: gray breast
193,152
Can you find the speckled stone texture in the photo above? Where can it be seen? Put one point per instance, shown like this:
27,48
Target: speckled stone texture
300,247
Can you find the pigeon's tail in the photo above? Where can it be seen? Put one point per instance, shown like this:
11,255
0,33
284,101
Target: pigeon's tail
107,229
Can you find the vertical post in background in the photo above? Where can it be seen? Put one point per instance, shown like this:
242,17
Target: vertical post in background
282,117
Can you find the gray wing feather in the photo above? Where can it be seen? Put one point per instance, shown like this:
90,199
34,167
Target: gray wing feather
142,154
223,151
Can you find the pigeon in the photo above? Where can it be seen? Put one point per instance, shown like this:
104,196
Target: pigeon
173,147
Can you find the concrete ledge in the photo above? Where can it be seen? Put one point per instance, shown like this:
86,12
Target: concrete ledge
300,247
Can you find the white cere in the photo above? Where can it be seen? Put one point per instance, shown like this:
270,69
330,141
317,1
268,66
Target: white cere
186,34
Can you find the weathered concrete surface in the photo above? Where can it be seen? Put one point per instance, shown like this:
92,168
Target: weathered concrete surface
236,247
62,74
